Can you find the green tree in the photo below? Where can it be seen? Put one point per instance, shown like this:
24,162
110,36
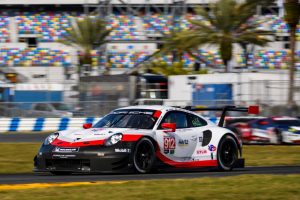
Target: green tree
175,46
225,23
292,17
166,69
86,34
163,68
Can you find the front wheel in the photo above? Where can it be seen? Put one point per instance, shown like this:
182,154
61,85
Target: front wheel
227,153
144,156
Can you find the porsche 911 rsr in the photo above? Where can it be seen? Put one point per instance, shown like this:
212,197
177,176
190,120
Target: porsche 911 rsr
141,139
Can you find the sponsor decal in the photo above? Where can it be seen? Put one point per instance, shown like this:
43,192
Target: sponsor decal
123,150
100,154
99,133
66,150
201,151
140,112
63,156
194,138
212,147
200,139
169,145
182,142
197,158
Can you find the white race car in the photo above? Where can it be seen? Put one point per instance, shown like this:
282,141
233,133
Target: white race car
143,138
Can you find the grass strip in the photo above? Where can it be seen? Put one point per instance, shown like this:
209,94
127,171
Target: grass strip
248,187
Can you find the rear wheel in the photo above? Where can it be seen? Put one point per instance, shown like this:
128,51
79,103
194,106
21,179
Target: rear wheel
144,156
227,153
278,137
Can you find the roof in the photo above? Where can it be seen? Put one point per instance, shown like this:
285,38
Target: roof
284,118
151,107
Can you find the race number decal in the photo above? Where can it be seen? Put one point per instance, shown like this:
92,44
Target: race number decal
169,145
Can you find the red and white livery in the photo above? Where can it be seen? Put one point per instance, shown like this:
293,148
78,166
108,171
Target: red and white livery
143,138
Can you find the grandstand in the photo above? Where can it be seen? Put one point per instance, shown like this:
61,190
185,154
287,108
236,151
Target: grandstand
29,33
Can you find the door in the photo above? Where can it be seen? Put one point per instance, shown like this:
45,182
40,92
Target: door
262,129
181,144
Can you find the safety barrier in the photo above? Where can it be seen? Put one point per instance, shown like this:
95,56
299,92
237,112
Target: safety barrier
43,124
47,124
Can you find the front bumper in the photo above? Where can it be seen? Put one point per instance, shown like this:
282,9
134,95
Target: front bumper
90,159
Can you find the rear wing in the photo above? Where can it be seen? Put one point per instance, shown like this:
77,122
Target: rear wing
249,110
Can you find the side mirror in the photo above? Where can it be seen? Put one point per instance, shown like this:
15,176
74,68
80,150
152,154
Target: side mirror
170,126
87,126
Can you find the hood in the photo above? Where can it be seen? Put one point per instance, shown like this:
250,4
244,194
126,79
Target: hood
91,134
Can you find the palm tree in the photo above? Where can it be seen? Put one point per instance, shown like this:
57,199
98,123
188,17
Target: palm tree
160,67
86,34
292,17
175,46
166,69
226,23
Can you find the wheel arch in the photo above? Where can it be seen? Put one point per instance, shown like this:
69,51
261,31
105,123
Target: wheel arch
155,144
235,139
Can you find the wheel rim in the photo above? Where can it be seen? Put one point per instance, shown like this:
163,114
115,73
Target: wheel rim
228,153
144,156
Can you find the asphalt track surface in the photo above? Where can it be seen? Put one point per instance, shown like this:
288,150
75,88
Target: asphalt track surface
48,178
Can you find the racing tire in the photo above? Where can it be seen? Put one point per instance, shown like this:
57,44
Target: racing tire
237,133
144,156
61,173
278,138
227,154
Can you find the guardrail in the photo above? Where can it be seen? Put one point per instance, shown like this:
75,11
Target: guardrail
47,124
43,124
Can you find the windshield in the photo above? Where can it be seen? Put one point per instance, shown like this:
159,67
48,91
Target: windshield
128,119
60,106
288,122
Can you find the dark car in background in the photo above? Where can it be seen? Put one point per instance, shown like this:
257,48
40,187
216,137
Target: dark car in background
50,110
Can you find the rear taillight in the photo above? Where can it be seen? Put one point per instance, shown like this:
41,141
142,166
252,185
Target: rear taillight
245,130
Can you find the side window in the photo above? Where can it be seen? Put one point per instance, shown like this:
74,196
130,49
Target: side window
177,117
196,121
48,107
40,107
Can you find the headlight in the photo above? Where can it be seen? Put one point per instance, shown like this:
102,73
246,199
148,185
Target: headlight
51,138
292,130
114,139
